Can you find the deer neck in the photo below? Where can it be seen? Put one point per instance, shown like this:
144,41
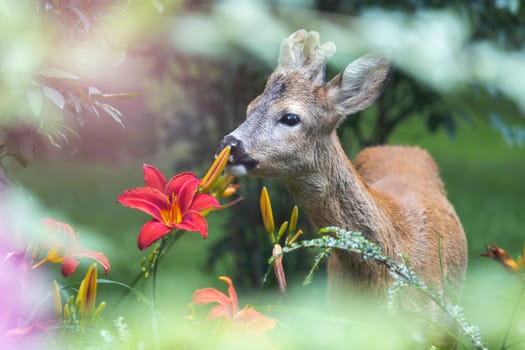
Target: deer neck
336,195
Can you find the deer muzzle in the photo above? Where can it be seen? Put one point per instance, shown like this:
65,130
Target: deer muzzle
239,163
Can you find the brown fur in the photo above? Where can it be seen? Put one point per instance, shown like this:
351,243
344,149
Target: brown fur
393,194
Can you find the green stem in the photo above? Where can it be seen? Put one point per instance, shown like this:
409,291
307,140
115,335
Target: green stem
171,241
165,245
512,317
154,314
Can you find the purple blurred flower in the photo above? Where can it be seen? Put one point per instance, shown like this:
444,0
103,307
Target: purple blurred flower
24,312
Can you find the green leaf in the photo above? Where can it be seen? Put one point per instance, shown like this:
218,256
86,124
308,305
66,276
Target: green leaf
54,95
35,99
75,101
132,289
113,113
95,111
121,96
23,161
52,141
56,73
62,135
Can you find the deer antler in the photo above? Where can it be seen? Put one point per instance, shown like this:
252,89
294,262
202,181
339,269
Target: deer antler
303,49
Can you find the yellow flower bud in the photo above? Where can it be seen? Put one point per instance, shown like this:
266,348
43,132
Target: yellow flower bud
216,169
100,308
293,220
229,191
281,231
57,300
87,292
67,313
267,214
294,238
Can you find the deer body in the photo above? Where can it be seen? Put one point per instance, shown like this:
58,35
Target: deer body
392,194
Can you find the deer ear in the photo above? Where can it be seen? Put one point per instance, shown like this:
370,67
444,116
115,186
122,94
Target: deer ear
360,84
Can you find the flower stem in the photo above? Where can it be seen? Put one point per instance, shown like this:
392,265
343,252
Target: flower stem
171,239
154,269
512,317
165,245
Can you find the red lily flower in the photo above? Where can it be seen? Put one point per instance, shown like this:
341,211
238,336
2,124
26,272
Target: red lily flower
66,249
228,308
174,205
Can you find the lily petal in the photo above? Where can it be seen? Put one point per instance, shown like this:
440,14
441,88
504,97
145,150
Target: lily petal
24,333
204,201
154,178
61,227
255,321
69,265
193,221
231,292
187,194
151,232
211,295
146,199
176,182
17,258
219,311
97,256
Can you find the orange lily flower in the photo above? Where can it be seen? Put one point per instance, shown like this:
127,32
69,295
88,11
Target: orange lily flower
228,308
65,249
501,256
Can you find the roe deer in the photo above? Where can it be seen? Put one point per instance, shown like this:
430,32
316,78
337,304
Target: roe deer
392,194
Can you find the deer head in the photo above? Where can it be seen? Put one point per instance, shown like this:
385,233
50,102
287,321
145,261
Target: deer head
290,125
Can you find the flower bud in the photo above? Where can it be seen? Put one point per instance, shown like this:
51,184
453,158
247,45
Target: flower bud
294,238
87,292
293,220
57,300
267,214
216,169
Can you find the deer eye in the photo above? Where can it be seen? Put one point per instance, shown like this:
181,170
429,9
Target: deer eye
290,119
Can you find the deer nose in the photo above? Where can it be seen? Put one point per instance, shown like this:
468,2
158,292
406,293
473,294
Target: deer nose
239,159
237,149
